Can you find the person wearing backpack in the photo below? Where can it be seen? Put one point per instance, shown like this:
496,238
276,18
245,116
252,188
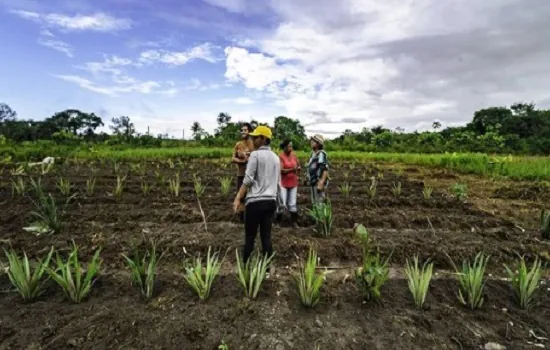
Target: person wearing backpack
317,170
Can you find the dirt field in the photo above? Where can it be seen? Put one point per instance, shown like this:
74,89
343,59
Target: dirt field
499,218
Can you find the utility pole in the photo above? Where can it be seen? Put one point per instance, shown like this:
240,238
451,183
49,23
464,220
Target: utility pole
183,134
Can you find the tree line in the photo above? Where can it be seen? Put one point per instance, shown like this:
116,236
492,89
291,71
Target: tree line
518,129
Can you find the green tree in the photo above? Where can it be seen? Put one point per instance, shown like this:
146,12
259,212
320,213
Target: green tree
6,113
292,129
122,126
486,118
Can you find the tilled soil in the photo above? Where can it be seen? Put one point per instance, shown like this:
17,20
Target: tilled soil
115,316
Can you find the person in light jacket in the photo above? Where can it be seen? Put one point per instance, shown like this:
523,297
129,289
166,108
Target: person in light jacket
259,189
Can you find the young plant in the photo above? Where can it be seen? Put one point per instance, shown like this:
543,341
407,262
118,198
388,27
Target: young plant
174,185
525,282
198,186
396,189
427,192
45,168
460,191
545,224
322,214
200,277
64,186
116,167
309,282
251,274
351,166
472,281
18,186
225,183
119,187
374,272
380,175
171,163
371,189
145,187
28,283
345,174
345,189
418,280
47,215
223,346
90,186
72,277
144,269
159,177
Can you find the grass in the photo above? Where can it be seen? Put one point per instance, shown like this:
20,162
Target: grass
514,167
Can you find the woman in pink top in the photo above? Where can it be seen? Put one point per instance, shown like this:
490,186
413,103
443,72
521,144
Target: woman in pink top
290,167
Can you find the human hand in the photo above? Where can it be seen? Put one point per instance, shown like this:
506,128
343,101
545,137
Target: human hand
236,205
320,186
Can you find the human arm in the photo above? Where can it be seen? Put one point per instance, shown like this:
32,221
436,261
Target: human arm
323,165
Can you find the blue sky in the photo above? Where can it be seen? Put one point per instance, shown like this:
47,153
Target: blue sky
333,65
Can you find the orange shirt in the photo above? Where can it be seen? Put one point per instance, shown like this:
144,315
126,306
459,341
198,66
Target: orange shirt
242,151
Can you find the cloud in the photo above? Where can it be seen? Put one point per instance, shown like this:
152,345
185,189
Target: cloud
121,86
204,52
393,62
99,22
238,101
47,39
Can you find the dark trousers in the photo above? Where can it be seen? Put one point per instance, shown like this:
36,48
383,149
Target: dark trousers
240,180
258,215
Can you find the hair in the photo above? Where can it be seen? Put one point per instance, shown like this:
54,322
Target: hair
284,144
248,126
267,141
319,145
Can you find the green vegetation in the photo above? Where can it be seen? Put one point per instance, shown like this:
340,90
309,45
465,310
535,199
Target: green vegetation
525,282
144,269
28,283
472,281
309,282
419,280
251,274
200,278
75,280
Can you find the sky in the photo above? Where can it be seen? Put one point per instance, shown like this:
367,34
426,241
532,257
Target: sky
332,64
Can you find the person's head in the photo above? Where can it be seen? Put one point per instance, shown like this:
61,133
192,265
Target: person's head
261,136
246,129
317,142
286,146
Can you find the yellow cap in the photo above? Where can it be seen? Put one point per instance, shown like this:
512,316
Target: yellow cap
262,130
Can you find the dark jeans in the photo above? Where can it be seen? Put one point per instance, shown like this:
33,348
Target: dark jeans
240,180
258,215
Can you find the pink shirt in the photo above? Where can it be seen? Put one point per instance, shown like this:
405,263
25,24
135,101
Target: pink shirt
289,180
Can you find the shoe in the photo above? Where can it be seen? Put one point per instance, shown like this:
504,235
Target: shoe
294,220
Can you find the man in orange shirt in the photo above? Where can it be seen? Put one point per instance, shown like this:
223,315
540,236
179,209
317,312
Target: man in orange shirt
242,151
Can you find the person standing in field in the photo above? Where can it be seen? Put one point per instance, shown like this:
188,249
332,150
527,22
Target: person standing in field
241,153
290,168
260,184
317,170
